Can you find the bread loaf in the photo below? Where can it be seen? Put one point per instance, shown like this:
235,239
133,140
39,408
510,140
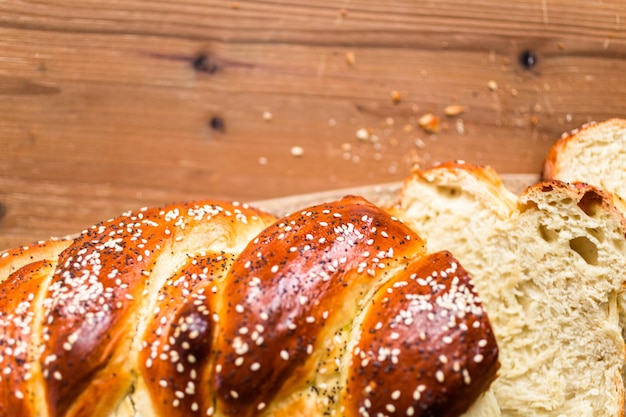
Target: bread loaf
594,154
550,267
221,309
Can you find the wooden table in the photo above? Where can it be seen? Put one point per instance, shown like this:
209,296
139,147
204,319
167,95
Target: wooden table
113,105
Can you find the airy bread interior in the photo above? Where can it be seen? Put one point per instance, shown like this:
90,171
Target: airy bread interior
550,268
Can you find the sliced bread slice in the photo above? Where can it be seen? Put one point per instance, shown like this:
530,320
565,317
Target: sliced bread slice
595,154
549,266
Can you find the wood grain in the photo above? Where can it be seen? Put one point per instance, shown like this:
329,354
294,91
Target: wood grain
113,105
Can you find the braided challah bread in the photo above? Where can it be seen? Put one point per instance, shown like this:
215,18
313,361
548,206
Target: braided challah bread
550,267
221,309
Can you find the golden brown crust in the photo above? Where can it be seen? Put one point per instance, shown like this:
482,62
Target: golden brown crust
426,345
554,159
485,173
20,296
94,300
588,197
13,259
287,283
216,309
178,342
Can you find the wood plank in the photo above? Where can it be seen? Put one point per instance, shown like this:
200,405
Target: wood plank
111,105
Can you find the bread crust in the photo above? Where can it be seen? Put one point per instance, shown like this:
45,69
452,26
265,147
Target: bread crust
213,308
558,159
527,253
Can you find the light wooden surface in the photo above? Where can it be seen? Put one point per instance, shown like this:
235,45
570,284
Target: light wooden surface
113,105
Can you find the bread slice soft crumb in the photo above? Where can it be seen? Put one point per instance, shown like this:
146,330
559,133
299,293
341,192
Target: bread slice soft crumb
595,154
550,267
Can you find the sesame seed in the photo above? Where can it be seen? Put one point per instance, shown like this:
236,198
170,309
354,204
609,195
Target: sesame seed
478,358
396,395
439,375
284,355
362,134
466,377
255,366
297,151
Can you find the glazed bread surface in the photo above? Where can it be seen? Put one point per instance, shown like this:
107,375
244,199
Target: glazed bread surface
550,267
219,309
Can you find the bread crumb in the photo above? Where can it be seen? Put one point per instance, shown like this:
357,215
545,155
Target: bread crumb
396,97
350,58
297,151
492,85
534,120
262,160
460,127
267,116
362,134
454,110
429,122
